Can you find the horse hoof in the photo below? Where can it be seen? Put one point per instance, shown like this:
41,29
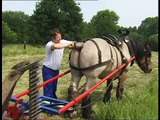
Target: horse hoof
120,98
71,114
88,115
106,99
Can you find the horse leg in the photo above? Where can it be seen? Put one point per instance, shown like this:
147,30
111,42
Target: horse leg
73,88
120,86
86,102
107,95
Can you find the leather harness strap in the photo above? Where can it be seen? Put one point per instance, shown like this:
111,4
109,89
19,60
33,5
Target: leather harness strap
99,51
116,57
90,67
130,47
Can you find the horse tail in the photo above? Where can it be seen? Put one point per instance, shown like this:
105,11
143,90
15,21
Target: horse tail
78,45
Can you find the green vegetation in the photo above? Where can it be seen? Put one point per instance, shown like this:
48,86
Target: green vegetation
140,98
141,105
12,50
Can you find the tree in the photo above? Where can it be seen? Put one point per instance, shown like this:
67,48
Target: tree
148,27
62,14
153,39
17,22
8,35
149,30
88,31
133,29
105,22
134,35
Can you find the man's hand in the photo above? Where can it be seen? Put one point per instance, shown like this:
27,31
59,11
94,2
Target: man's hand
72,45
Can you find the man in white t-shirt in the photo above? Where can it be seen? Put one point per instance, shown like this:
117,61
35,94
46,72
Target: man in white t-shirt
51,65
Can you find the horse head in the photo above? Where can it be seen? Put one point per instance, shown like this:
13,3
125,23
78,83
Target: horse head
143,56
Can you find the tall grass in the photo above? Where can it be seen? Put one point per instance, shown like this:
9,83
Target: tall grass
141,106
18,49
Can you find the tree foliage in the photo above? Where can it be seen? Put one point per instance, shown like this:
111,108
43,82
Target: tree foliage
147,31
88,31
153,39
134,35
62,14
17,22
8,36
105,22
149,26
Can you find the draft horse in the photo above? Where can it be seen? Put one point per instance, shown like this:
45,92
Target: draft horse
97,57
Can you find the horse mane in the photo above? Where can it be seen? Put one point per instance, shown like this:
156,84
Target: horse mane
138,48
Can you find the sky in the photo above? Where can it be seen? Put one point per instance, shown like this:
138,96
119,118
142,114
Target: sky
131,12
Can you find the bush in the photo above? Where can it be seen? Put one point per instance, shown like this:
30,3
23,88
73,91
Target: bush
153,39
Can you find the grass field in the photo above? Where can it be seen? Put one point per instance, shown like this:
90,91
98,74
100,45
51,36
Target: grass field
140,98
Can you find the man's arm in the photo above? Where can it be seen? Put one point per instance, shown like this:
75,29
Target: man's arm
68,44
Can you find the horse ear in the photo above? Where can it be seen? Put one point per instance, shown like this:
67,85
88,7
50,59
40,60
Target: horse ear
127,31
119,31
123,32
147,45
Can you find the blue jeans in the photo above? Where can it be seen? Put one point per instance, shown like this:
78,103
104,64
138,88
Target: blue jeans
49,89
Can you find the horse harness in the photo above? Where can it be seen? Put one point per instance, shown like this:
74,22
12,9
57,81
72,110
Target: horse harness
112,41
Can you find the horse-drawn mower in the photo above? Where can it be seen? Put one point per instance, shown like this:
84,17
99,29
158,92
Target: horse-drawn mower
21,109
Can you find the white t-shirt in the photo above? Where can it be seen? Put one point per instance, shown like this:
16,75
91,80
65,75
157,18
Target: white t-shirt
53,57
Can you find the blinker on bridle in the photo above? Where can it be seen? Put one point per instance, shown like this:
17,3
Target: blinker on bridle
147,53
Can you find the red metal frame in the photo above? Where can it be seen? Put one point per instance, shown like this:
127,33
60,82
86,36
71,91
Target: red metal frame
13,110
43,84
84,94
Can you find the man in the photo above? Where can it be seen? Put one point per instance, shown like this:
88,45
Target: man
51,65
